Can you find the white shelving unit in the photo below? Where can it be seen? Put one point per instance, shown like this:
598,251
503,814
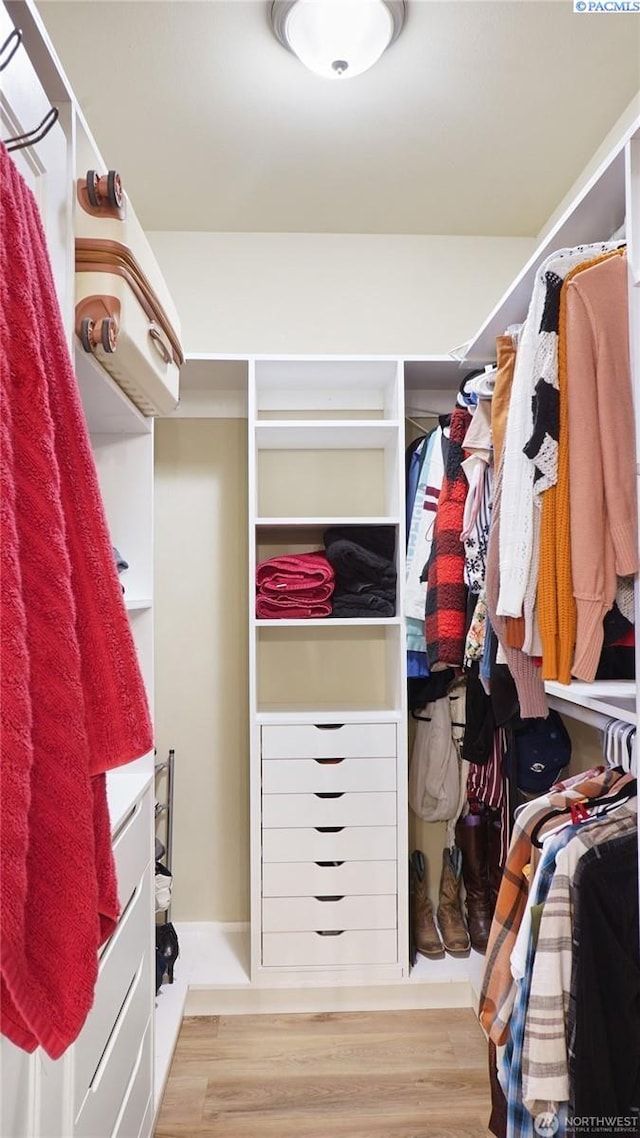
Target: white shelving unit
325,448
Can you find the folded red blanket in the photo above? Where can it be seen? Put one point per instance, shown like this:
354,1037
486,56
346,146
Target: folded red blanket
293,573
292,608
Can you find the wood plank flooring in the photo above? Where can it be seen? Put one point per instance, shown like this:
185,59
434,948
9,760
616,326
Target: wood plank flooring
418,1074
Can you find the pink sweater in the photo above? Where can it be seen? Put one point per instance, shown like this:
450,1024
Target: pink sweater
604,527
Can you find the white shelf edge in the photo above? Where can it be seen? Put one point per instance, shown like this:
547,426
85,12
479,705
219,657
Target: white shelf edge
328,715
594,704
331,622
267,425
320,522
136,604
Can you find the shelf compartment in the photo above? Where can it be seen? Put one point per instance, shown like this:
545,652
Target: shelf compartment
314,389
279,540
339,668
339,481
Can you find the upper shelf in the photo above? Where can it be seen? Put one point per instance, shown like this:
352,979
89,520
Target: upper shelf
107,409
595,703
595,214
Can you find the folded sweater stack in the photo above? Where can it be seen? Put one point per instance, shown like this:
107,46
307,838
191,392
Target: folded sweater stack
296,585
365,573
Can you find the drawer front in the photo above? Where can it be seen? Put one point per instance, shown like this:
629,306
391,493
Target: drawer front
312,950
138,1095
319,741
344,810
297,914
350,843
105,1097
317,879
132,847
287,776
118,966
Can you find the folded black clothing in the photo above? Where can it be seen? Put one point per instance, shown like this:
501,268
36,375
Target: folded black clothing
352,562
377,539
365,604
359,588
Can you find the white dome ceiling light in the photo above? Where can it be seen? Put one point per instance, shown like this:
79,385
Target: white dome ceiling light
337,39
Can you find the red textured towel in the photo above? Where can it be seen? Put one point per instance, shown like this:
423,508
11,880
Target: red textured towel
293,608
73,701
294,573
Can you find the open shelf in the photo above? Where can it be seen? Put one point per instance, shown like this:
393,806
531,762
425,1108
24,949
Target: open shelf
340,665
334,476
594,703
137,604
330,434
319,522
106,407
324,388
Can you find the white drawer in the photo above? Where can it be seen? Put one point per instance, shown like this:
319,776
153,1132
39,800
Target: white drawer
343,810
138,1094
323,741
102,1105
313,950
296,914
316,879
350,843
286,776
132,847
118,966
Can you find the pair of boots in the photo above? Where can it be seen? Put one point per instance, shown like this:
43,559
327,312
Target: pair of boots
478,837
453,936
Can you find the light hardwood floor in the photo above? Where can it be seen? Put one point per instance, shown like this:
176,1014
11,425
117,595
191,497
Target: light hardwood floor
419,1074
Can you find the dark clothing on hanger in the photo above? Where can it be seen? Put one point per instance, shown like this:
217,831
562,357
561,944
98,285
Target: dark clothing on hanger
604,1013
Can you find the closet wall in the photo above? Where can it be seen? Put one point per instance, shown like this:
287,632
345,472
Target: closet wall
201,650
339,294
201,500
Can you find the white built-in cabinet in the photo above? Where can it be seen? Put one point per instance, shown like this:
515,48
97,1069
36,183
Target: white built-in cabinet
103,1087
327,698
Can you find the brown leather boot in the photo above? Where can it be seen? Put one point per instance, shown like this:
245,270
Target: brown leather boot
451,920
472,840
425,934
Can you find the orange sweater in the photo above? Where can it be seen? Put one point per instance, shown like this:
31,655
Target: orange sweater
556,605
602,462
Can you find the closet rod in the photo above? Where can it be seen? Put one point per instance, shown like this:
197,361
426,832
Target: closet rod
597,719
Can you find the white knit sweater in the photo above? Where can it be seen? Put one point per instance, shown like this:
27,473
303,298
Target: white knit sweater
536,359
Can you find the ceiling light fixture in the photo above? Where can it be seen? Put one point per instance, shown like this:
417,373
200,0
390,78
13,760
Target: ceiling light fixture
337,39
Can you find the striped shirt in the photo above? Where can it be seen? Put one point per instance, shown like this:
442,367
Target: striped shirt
498,988
544,1065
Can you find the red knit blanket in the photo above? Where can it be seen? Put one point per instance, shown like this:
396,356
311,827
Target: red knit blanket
72,697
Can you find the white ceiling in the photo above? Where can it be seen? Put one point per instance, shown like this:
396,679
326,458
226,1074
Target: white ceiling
476,121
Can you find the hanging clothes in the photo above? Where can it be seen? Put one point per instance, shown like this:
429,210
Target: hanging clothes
446,594
73,699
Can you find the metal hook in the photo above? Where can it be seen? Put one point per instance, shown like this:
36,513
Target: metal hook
9,48
21,141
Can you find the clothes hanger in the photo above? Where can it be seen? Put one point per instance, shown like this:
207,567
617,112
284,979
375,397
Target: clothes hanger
625,794
37,133
30,137
10,47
